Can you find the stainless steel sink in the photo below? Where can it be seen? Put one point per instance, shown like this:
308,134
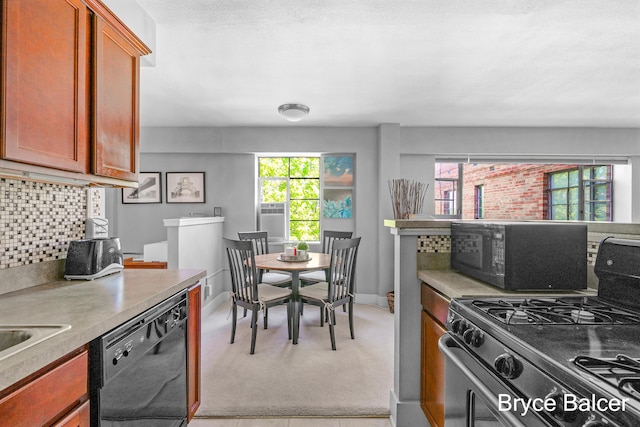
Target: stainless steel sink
15,338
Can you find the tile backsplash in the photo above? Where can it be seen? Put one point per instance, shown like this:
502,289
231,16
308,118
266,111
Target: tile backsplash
37,220
434,244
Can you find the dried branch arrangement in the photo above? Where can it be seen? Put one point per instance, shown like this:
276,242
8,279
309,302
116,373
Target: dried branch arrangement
407,197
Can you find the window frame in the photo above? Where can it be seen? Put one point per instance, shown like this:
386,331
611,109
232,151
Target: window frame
456,200
478,202
581,189
288,198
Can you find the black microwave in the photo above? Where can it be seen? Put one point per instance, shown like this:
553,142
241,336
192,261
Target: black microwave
521,255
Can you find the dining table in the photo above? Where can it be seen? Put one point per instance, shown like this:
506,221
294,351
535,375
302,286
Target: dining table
274,261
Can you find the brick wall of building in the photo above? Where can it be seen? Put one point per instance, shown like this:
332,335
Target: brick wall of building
511,191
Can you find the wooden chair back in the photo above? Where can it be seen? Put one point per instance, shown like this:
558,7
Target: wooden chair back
342,270
328,237
242,266
259,240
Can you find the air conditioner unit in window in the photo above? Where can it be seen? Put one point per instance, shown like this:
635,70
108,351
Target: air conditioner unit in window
272,219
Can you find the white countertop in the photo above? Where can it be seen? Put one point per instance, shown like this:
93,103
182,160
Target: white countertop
90,307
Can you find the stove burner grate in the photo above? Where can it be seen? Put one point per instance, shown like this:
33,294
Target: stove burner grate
622,372
555,311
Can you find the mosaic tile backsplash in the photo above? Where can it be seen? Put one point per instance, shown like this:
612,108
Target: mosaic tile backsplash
434,244
37,220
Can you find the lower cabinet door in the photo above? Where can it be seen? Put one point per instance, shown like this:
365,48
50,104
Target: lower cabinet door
79,417
432,371
193,350
49,394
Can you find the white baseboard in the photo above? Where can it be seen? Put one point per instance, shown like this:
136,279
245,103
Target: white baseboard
407,413
214,303
372,299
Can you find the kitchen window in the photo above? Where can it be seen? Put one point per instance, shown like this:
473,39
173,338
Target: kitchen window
448,197
294,181
479,202
583,193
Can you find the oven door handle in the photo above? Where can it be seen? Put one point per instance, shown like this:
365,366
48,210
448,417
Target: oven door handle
448,346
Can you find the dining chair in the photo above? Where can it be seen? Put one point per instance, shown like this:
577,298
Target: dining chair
338,291
261,247
328,237
248,293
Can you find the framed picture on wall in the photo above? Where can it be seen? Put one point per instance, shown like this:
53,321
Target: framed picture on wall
149,189
337,203
338,171
185,187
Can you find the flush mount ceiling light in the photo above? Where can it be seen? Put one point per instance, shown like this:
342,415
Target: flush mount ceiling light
293,112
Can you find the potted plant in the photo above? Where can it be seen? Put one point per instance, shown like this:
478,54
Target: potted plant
303,247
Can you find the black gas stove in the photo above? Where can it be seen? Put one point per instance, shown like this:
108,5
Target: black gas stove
546,361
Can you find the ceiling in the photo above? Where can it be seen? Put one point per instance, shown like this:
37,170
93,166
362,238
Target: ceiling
412,62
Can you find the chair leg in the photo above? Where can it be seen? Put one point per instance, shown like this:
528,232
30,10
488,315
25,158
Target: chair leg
351,318
331,329
321,316
233,322
254,329
289,319
245,313
266,316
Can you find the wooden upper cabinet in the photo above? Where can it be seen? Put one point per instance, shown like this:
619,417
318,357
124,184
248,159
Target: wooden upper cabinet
69,90
45,83
116,104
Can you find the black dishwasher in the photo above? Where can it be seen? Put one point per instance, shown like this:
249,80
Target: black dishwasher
138,375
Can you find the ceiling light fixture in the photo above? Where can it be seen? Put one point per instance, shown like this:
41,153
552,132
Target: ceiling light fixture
293,112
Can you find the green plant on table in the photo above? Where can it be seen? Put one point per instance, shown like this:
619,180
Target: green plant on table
303,246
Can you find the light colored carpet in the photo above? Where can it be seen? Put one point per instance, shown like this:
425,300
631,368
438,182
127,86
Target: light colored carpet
307,379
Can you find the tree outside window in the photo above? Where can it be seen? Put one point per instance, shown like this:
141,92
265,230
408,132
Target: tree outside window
295,181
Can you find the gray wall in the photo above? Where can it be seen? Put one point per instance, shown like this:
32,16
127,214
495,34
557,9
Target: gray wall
381,153
229,183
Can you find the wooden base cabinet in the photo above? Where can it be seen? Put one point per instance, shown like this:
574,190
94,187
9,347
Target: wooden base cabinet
193,350
57,395
434,316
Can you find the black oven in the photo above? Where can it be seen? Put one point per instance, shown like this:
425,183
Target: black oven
138,370
475,396
521,255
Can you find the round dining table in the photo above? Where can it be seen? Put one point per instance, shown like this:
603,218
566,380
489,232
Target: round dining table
318,261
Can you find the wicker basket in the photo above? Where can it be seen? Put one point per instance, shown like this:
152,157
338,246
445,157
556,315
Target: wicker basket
390,300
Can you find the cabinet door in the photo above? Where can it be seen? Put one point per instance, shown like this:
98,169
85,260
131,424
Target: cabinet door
116,74
48,394
45,79
432,372
193,351
79,417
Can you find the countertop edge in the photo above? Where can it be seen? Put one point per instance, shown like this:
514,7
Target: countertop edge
191,221
453,284
16,367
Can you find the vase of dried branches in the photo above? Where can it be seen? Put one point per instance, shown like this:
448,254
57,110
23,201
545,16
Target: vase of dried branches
407,197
